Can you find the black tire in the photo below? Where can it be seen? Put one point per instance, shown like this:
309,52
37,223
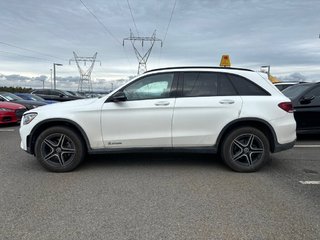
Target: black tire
245,149
59,149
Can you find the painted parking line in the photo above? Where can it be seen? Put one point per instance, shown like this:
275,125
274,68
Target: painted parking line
7,130
306,146
310,182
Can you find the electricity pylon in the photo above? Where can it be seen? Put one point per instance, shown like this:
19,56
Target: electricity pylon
142,58
85,74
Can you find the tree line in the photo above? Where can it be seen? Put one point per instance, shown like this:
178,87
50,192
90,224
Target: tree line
15,89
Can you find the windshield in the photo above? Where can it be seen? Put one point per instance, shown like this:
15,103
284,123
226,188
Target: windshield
66,93
295,91
10,96
36,98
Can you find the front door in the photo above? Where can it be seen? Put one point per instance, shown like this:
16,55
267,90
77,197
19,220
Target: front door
307,110
144,118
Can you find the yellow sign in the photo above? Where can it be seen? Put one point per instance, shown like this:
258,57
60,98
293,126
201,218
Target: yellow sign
225,61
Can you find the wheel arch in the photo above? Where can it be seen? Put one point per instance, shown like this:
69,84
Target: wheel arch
41,126
257,123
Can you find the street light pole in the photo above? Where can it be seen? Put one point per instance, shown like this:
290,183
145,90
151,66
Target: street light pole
54,74
51,78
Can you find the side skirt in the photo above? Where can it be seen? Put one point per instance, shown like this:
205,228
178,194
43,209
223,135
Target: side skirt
212,150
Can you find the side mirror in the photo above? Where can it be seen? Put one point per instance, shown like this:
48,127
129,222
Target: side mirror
61,95
306,100
119,97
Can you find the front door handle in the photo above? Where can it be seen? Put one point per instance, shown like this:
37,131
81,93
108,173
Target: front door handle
227,101
162,103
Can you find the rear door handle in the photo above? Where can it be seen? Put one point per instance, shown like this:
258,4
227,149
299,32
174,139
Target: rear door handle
162,103
227,101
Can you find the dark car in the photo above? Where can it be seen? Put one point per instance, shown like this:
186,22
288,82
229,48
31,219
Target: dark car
33,97
10,97
283,85
305,98
54,94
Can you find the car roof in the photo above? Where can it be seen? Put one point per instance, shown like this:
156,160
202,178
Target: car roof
198,67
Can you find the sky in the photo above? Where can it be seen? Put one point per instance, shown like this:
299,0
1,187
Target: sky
37,33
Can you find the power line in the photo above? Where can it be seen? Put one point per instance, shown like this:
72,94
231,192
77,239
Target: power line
174,6
21,55
101,23
30,50
134,22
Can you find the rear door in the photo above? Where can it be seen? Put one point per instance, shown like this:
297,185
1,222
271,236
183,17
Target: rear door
307,110
207,102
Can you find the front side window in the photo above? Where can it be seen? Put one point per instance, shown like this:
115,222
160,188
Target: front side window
315,94
296,90
150,87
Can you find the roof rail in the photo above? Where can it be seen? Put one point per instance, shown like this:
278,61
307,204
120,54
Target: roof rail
190,67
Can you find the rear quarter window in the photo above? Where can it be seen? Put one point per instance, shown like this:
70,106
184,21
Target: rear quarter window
245,87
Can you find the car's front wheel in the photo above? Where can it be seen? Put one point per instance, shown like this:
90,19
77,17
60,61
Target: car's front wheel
245,149
59,149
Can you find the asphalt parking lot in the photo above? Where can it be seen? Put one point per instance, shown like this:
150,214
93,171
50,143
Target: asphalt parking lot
159,196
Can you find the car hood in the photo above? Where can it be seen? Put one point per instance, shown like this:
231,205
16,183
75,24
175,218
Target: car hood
10,105
63,106
29,102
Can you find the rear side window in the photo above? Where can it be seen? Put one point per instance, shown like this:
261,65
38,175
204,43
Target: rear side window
196,84
38,91
44,91
201,84
225,86
245,87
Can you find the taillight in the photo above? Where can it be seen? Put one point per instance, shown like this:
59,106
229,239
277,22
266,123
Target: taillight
286,106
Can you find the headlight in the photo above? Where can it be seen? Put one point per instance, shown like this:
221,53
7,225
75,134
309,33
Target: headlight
28,118
6,110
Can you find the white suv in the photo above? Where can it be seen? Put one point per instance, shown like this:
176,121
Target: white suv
233,112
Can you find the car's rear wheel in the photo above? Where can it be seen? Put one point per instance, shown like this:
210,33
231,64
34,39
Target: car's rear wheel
59,149
245,149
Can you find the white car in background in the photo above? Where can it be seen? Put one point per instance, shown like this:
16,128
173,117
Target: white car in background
233,112
283,85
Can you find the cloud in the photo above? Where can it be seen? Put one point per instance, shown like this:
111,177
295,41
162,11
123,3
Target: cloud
294,77
282,34
67,83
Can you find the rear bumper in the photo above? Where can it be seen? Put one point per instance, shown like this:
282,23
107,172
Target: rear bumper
281,147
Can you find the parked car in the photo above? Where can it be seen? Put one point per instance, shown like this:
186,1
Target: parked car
56,95
78,94
283,85
11,112
306,103
33,97
234,112
10,97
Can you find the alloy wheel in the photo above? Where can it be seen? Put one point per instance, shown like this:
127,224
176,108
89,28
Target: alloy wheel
58,149
247,149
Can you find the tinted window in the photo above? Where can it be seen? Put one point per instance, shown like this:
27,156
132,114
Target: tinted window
150,87
44,91
225,86
245,87
314,92
294,91
197,84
